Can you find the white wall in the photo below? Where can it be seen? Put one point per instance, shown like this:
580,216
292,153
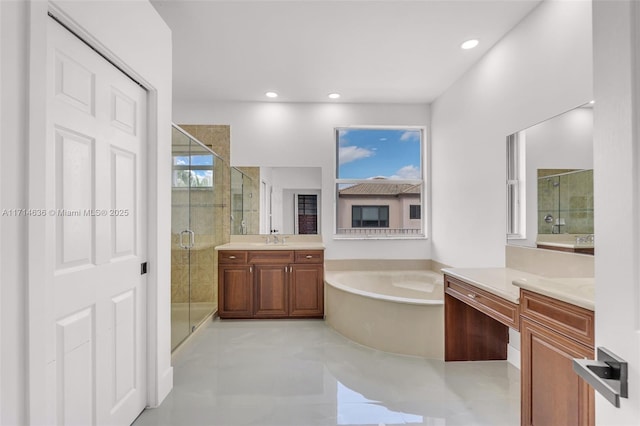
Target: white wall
296,134
13,247
135,36
543,67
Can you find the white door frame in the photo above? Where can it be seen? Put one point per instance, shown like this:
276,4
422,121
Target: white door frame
616,35
1,254
36,393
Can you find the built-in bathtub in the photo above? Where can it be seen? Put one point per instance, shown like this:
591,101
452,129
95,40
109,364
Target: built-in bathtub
393,311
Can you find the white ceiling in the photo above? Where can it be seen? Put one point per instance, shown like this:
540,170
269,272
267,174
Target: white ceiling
368,51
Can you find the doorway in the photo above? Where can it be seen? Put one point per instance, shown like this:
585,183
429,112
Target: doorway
306,214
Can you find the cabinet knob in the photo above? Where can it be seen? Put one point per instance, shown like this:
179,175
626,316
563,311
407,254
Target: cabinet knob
309,256
473,296
232,257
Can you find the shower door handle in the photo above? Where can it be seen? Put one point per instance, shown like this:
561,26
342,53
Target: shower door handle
182,245
192,239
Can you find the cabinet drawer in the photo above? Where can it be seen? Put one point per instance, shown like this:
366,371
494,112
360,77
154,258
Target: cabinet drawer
232,257
496,307
270,256
309,256
567,319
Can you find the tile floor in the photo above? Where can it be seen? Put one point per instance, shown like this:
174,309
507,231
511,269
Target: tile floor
302,373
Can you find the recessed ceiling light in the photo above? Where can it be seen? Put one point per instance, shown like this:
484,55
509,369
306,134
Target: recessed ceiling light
469,44
334,95
592,102
271,95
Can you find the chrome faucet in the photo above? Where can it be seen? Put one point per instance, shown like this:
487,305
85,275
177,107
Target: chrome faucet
585,239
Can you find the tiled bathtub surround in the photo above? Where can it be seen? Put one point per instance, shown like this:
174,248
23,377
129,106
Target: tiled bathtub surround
377,264
378,321
400,312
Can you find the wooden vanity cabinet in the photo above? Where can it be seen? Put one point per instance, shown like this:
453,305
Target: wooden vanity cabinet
270,282
552,334
235,287
275,284
271,291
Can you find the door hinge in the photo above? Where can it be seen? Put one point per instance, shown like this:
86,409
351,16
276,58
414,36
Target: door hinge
143,268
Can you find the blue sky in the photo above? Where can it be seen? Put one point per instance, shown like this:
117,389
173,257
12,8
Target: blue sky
367,153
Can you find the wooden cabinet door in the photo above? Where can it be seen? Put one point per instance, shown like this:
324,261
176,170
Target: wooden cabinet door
552,393
306,293
271,291
235,295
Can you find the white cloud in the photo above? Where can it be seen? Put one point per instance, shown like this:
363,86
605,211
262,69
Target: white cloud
407,172
342,136
410,135
348,154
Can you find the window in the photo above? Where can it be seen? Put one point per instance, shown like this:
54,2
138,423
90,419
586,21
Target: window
515,186
379,181
370,216
195,171
414,211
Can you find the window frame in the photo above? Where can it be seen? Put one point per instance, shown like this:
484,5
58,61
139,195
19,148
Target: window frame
516,186
423,182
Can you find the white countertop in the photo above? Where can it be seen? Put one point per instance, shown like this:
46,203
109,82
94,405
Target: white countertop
498,281
576,291
506,283
307,245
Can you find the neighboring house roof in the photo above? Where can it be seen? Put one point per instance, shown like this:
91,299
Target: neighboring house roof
381,189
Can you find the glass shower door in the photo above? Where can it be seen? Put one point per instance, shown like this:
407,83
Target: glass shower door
202,231
180,253
193,292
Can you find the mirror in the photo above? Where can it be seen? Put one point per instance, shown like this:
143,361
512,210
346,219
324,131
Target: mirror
283,200
550,183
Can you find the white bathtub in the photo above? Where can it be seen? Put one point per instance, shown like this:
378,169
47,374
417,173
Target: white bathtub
393,311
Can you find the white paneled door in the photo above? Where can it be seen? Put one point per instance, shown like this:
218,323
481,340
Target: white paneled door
95,237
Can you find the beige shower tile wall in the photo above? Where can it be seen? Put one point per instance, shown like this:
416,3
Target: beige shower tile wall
179,273
568,196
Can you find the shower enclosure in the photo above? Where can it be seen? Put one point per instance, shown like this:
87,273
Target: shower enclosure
243,203
195,229
565,201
